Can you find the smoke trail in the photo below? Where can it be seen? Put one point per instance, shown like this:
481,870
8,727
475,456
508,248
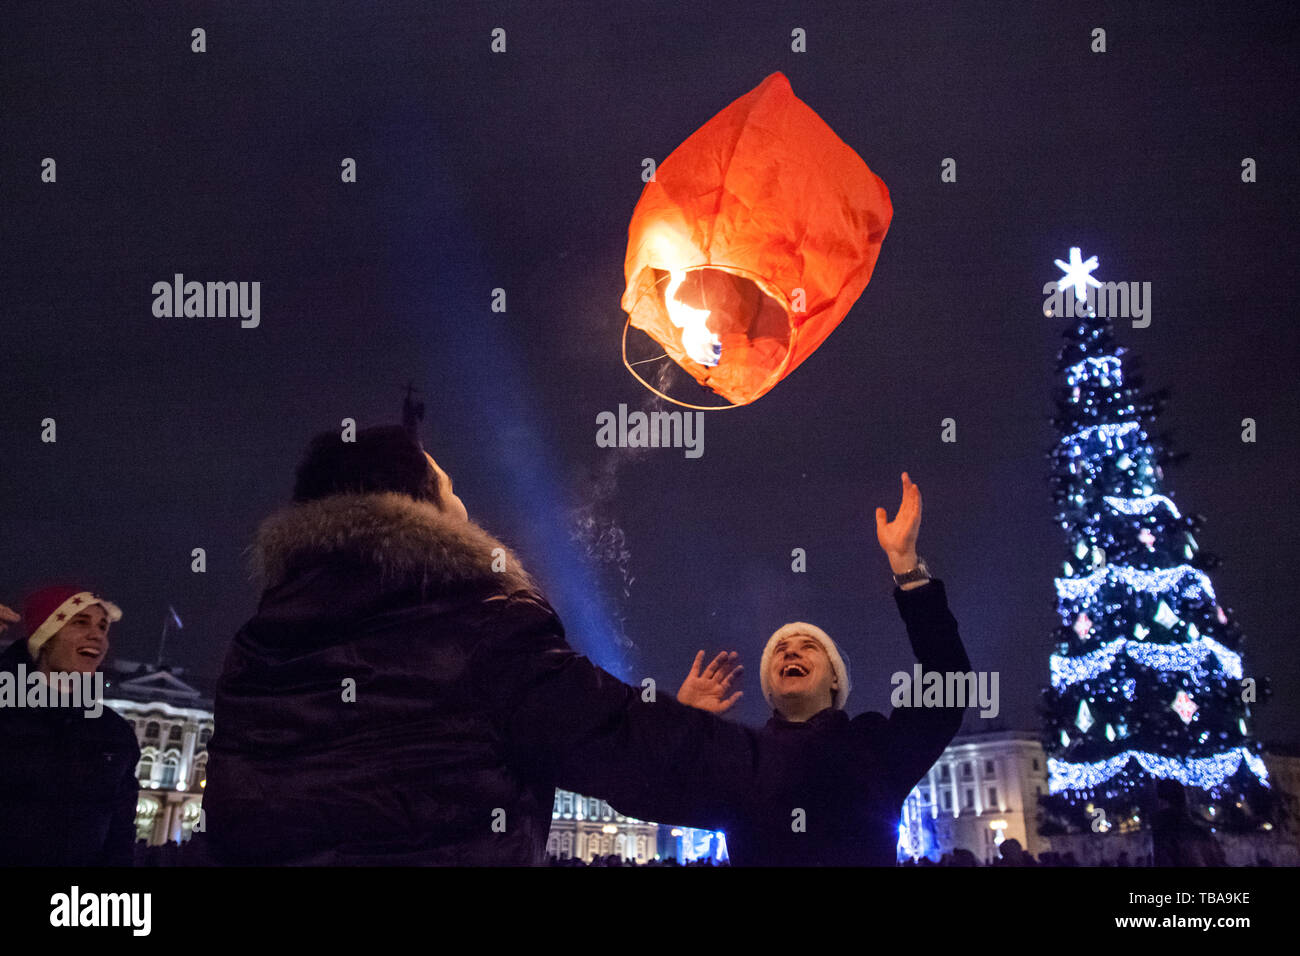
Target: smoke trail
594,526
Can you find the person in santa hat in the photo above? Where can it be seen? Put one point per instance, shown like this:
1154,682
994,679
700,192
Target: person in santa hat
67,774
827,789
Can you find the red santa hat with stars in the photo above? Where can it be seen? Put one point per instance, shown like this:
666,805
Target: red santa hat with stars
49,609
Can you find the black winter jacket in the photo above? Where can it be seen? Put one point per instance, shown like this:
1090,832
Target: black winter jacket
397,701
68,789
826,791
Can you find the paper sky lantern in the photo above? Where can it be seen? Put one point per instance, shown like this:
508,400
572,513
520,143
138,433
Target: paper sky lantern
751,244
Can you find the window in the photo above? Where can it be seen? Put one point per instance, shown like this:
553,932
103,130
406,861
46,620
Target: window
151,730
943,772
965,769
204,736
1035,763
947,802
174,735
170,766
968,799
993,797
988,767
146,769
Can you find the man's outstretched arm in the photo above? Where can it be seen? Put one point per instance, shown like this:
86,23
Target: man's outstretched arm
573,723
913,738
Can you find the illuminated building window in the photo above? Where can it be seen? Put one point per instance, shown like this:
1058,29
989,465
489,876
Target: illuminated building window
170,766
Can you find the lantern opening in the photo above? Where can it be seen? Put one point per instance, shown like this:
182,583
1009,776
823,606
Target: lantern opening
719,326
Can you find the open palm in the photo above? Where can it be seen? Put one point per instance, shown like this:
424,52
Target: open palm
706,688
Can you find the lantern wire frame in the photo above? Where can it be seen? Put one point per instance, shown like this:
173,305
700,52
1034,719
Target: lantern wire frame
772,380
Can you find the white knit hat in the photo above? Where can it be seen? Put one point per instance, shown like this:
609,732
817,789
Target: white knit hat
838,666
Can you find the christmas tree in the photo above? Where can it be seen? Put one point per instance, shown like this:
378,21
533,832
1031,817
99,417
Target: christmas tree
1147,679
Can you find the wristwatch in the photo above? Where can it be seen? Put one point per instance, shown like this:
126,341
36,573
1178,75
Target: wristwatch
919,573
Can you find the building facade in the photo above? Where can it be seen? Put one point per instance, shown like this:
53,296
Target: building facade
173,722
583,828
984,789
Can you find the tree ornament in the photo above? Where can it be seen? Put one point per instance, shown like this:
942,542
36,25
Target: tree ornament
1184,706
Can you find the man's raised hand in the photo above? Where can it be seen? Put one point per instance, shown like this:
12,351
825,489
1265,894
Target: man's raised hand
706,688
898,537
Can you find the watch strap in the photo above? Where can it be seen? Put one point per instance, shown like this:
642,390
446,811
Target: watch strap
919,573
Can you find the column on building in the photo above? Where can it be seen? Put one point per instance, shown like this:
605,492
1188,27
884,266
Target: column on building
188,741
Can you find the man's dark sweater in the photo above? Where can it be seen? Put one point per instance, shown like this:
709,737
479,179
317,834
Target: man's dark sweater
829,790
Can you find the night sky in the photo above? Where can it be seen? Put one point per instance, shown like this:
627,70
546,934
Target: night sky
520,171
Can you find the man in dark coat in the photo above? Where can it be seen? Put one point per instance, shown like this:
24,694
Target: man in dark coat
405,694
68,789
827,789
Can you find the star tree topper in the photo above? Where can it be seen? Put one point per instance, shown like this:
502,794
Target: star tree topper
1077,273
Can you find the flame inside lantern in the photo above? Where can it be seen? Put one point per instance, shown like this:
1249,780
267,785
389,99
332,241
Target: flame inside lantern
700,343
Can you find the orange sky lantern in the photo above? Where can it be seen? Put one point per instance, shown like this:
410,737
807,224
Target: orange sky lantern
751,244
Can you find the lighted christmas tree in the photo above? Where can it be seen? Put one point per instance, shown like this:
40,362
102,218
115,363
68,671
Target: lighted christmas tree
1147,676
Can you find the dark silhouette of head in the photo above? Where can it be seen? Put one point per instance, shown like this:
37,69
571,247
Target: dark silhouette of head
384,458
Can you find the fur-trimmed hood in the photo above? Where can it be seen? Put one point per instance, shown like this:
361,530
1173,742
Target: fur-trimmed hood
405,539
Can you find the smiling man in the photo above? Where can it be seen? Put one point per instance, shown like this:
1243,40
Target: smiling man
803,672
67,771
824,789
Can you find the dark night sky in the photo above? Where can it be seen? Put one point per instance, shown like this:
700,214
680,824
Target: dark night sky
521,171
